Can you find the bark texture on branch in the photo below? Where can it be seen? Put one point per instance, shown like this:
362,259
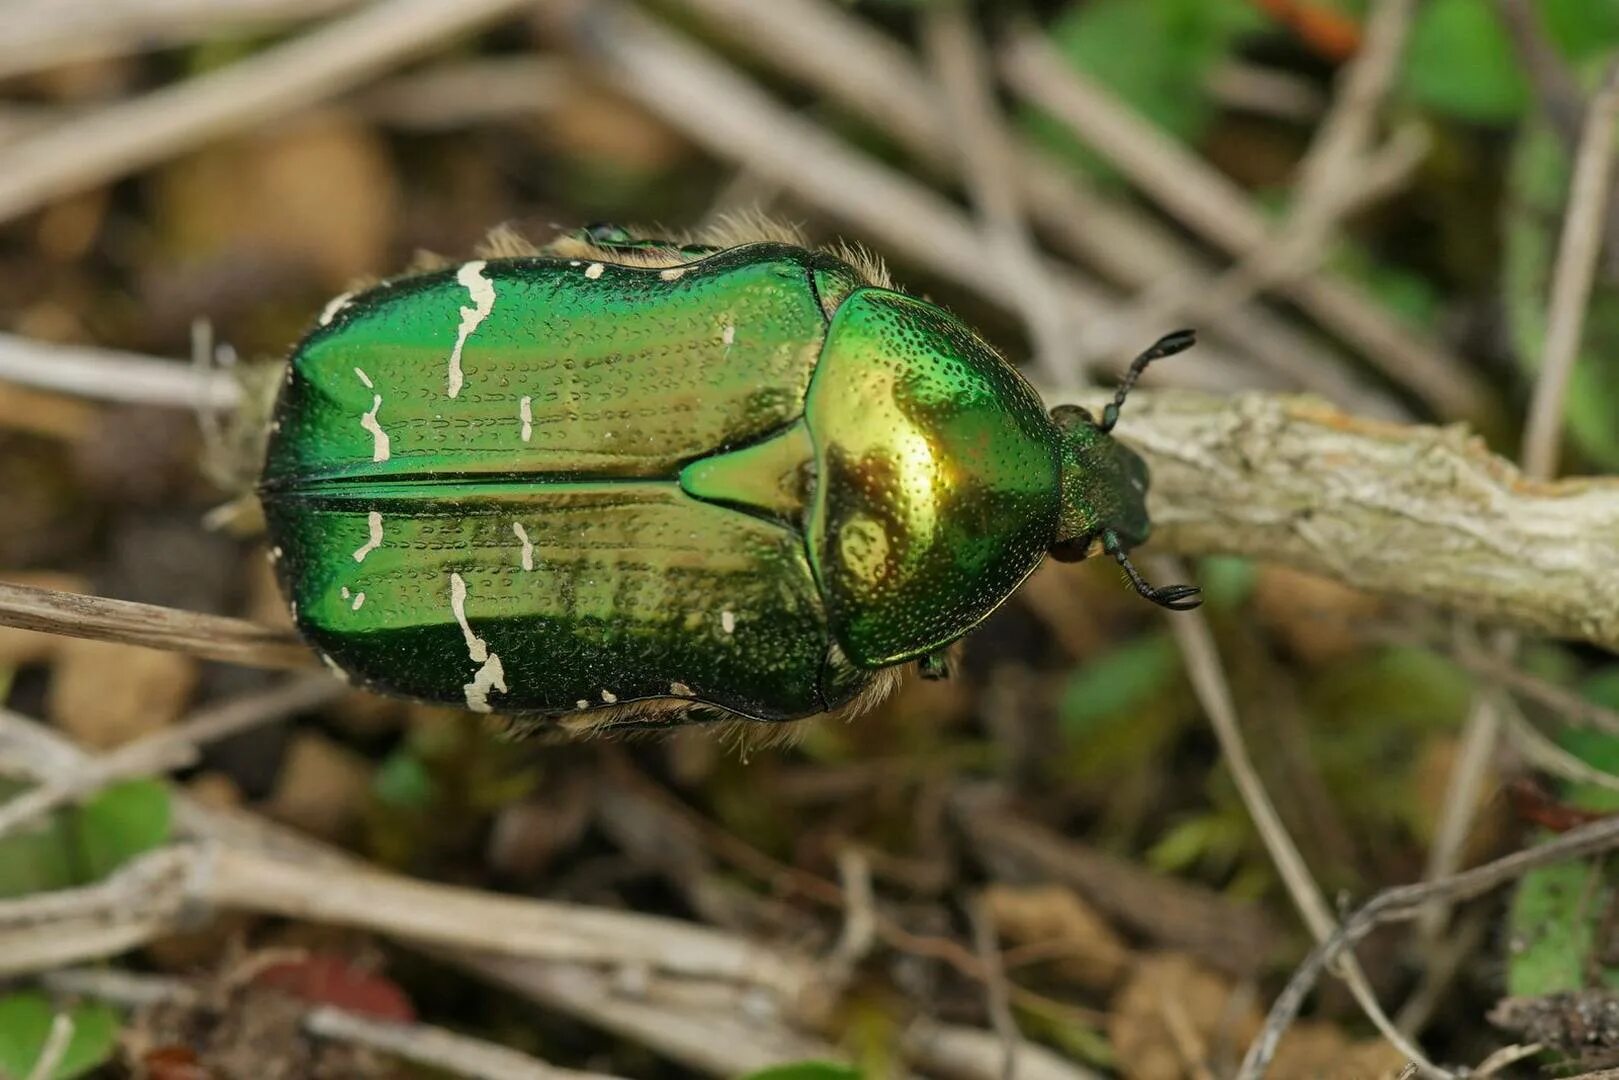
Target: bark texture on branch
1421,512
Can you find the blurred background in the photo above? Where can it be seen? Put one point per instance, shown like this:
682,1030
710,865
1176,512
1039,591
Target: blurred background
1357,200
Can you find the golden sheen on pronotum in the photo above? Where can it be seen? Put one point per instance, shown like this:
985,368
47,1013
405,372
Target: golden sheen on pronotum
622,481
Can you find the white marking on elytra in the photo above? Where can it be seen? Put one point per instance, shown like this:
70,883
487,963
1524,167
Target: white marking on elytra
333,306
381,448
609,697
581,704
373,524
359,598
525,413
680,689
343,592
528,546
276,553
728,621
490,675
728,335
594,271
674,273
482,291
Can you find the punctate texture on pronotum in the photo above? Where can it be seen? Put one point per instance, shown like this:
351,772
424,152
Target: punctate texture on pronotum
624,482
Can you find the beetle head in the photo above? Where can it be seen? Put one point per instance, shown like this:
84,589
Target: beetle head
1104,485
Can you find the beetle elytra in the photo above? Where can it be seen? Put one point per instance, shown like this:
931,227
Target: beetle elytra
630,482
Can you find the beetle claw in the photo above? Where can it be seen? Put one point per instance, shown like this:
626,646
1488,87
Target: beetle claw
1177,597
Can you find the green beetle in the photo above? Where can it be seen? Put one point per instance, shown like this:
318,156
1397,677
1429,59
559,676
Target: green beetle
627,482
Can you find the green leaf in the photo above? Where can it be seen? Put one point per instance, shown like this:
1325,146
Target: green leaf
1552,928
25,1025
807,1070
36,857
119,823
1117,682
1581,29
1460,62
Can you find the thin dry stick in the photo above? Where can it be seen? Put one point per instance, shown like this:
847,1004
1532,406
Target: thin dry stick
46,33
1339,174
1572,278
154,890
1000,1005
436,1048
169,749
1196,642
986,161
55,1048
126,137
722,110
1406,902
212,637
1577,254
744,1033
1214,206
851,62
109,375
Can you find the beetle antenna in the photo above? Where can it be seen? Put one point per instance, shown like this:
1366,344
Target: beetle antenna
1168,345
1173,597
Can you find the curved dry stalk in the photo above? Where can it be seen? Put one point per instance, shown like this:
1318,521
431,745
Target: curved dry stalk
211,637
1406,902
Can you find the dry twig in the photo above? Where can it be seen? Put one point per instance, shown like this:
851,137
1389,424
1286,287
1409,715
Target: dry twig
436,1048
172,748
109,375
1406,902
853,64
986,159
123,138
1217,208
1196,642
212,637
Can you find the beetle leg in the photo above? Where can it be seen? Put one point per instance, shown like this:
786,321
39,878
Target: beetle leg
1173,597
935,665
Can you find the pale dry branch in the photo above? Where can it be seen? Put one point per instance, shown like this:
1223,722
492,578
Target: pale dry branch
1202,659
156,890
110,375
850,62
131,135
985,158
722,110
436,1048
1573,277
45,33
970,1054
720,1028
1406,902
212,637
171,748
1420,512
1218,209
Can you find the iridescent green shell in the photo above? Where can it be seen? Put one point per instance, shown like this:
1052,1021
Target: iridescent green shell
751,482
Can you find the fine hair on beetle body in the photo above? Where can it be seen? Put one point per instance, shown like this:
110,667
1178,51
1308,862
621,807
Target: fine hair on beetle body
829,482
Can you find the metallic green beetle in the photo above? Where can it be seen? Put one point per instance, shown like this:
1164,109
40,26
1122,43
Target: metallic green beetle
622,482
